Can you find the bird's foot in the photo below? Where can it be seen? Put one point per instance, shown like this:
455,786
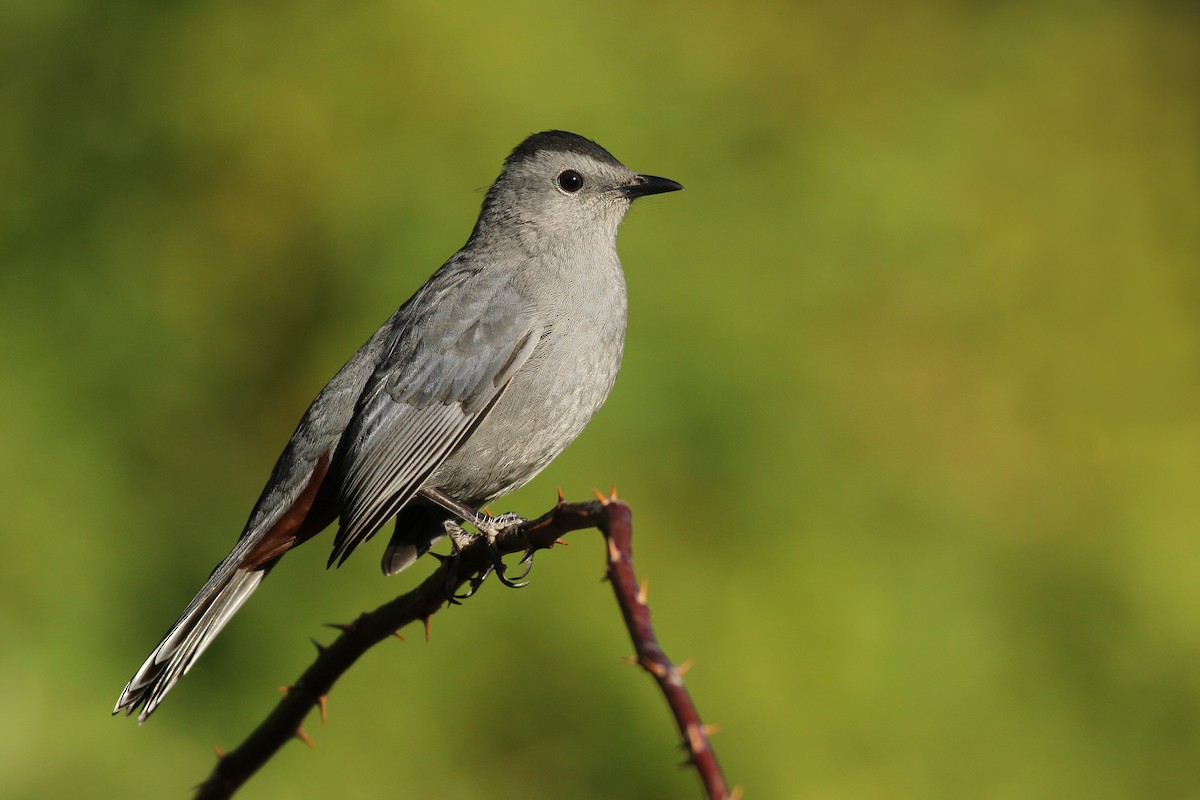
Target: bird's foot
491,527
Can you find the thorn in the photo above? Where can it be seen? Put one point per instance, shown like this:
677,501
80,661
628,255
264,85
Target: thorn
560,494
642,591
321,701
344,627
630,660
685,667
428,625
399,635
654,668
283,689
218,750
304,737
696,741
711,729
612,494
614,555
320,647
600,496
737,793
563,542
486,511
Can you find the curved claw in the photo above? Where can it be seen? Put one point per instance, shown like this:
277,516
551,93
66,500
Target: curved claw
501,568
474,583
528,562
452,577
448,587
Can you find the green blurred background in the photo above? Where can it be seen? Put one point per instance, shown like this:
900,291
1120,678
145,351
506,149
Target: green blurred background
909,415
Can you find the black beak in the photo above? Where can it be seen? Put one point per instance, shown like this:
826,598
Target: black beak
650,184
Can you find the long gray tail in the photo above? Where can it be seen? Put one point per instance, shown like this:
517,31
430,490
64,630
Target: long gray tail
227,588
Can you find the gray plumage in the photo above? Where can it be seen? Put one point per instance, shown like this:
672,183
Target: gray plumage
472,387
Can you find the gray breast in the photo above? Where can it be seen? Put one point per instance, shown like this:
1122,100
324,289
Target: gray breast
554,395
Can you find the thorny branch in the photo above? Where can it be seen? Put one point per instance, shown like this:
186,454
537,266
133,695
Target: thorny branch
611,516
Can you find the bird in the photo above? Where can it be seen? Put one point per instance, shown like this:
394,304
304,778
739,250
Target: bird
470,389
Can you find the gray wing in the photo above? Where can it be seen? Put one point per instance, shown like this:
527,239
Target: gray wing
449,364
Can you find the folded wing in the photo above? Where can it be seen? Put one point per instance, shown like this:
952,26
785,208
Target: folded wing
440,379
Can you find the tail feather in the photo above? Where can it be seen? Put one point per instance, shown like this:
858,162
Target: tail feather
223,594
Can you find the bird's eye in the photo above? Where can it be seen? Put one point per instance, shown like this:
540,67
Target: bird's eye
570,181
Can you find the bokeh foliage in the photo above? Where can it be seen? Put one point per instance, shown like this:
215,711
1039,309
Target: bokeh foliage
910,415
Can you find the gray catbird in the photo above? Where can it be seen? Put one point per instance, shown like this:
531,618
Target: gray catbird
471,388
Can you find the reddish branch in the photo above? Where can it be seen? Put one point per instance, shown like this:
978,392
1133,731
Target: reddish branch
617,527
610,516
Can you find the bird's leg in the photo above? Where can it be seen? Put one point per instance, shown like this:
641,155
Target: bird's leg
489,527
